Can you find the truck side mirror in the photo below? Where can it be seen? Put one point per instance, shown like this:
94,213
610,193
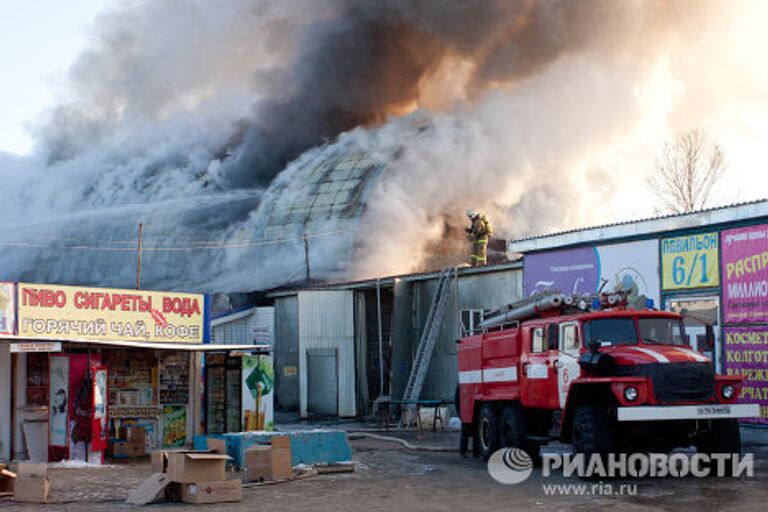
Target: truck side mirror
594,346
709,330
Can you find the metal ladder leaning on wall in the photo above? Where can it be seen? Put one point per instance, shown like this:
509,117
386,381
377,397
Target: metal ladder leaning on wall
426,346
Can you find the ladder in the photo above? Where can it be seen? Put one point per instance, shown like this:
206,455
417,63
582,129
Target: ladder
426,345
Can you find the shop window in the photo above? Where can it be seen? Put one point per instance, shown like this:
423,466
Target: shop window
37,379
698,312
537,339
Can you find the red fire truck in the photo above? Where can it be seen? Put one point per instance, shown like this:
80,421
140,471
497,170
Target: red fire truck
596,374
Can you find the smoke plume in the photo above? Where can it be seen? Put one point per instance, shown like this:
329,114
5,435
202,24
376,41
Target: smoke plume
536,112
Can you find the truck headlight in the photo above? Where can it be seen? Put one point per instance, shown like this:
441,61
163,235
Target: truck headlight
728,391
630,394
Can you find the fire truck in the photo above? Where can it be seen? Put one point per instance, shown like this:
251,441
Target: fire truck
596,374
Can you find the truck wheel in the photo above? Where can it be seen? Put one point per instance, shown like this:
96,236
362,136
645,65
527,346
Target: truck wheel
723,437
593,431
513,430
487,432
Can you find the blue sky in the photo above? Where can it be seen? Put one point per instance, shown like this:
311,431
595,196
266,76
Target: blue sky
39,39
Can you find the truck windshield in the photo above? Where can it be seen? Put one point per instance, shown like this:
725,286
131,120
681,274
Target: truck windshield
622,331
611,331
664,331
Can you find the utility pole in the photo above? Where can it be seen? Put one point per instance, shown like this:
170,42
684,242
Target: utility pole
138,266
381,340
306,258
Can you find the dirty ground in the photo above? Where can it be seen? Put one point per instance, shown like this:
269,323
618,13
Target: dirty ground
388,477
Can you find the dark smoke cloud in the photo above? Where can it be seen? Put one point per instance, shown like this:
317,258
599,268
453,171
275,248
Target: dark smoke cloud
367,61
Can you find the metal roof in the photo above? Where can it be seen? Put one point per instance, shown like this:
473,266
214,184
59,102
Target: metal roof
737,212
317,191
390,280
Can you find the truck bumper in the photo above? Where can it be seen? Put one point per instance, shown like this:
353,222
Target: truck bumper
688,412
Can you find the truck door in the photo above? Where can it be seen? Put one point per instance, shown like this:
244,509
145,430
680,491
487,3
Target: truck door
568,359
538,389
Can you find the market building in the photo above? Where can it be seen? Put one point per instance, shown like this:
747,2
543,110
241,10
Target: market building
78,365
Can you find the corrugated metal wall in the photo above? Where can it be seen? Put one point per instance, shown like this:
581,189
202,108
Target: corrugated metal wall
232,332
253,326
326,320
478,291
286,354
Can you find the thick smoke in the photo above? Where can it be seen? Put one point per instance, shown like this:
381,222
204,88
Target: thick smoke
185,113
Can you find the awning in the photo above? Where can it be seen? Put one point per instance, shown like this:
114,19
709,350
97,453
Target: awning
190,347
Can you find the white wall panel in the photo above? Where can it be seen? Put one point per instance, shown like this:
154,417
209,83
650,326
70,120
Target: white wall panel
326,320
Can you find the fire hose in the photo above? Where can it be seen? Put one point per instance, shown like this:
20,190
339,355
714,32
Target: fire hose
408,446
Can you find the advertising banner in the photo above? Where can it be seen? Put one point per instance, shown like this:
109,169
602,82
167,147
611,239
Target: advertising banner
575,271
7,308
746,354
632,267
174,425
64,312
690,262
58,410
258,392
745,274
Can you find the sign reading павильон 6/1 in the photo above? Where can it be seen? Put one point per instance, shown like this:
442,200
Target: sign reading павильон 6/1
690,262
67,312
745,274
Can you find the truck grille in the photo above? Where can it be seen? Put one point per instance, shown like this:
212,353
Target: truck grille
677,382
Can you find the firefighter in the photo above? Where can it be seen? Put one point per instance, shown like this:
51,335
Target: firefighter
478,233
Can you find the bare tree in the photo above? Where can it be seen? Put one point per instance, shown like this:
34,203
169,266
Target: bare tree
687,172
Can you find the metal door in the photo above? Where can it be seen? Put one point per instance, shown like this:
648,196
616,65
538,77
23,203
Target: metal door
322,382
326,321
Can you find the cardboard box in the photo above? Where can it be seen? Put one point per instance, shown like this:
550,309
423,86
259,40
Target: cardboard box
281,464
258,463
281,441
7,480
268,463
32,484
217,445
191,467
126,449
158,461
212,492
151,490
134,434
